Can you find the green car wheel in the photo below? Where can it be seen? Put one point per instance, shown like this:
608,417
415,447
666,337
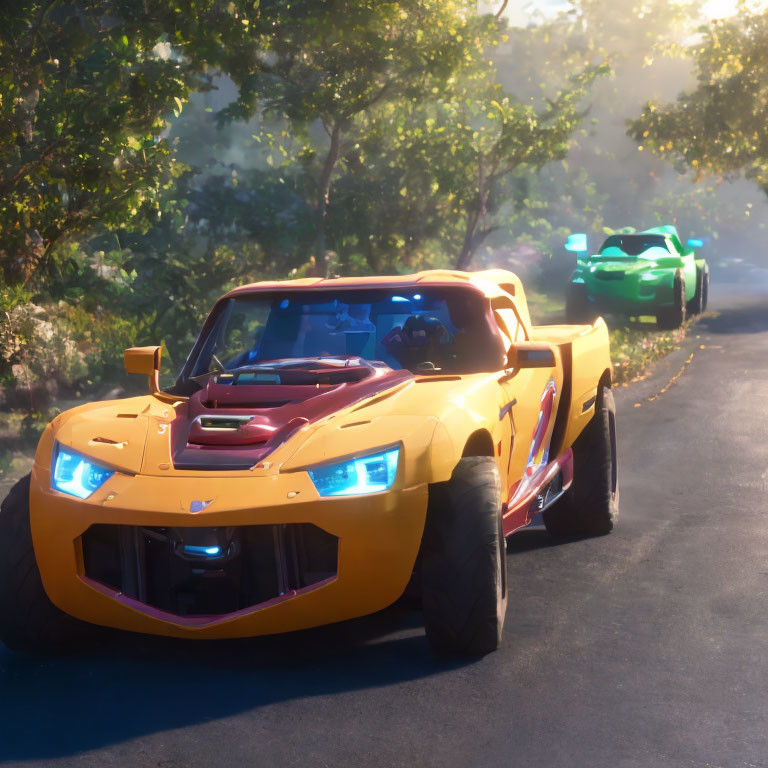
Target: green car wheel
669,318
698,304
693,307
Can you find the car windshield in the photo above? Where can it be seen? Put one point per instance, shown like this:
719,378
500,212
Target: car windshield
430,330
634,245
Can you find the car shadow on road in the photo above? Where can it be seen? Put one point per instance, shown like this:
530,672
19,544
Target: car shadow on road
137,685
748,318
533,538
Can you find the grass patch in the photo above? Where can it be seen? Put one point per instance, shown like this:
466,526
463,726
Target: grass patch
545,309
634,349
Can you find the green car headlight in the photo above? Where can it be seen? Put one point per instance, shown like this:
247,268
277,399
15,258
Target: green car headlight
368,474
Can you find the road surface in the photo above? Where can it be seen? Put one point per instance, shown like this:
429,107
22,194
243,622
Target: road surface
648,647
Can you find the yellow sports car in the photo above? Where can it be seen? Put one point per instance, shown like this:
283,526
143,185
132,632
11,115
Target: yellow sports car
327,443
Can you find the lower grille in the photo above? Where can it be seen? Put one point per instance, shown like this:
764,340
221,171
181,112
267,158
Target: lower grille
208,571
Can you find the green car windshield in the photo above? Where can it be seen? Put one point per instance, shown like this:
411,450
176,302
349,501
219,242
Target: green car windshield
635,245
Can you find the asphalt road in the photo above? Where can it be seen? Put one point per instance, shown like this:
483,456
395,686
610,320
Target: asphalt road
648,647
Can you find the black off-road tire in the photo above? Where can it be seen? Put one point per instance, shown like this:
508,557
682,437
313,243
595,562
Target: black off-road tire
705,290
578,308
696,305
29,621
672,317
590,507
464,566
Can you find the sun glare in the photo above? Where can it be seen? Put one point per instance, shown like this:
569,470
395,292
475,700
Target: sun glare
522,13
721,9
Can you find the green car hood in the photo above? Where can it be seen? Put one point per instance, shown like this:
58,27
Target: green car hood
613,252
628,265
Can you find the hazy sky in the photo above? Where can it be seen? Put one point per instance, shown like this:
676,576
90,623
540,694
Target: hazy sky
520,11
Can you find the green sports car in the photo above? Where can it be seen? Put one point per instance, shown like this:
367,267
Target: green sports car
640,273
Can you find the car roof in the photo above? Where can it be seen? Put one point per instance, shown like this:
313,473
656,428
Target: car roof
665,230
493,283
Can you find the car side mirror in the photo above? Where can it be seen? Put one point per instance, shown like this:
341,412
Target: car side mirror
531,354
146,361
695,242
576,242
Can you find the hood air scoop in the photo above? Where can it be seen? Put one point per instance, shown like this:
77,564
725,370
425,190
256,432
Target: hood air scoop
239,417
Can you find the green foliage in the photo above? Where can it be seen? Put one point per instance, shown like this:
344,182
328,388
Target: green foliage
718,129
334,59
155,154
40,351
597,181
333,65
397,127
86,87
101,338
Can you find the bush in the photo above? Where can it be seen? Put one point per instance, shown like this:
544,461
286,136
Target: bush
39,354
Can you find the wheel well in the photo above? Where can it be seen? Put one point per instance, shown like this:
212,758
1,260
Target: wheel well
605,380
479,444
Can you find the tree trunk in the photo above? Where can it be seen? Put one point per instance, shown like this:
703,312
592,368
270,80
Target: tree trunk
370,255
324,191
476,212
468,246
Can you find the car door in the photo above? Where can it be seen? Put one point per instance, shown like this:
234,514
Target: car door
528,401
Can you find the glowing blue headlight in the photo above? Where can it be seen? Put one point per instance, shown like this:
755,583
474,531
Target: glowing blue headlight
368,474
76,475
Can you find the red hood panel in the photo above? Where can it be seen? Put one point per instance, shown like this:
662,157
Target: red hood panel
229,425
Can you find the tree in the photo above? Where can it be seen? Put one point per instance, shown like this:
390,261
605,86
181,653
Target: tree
718,129
438,168
329,65
85,89
489,139
417,130
639,45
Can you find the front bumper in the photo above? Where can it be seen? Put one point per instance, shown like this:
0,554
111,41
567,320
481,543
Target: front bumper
378,539
635,293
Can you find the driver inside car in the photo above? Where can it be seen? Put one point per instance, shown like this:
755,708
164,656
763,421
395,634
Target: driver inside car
422,343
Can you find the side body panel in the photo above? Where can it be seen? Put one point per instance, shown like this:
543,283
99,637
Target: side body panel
689,273
587,355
